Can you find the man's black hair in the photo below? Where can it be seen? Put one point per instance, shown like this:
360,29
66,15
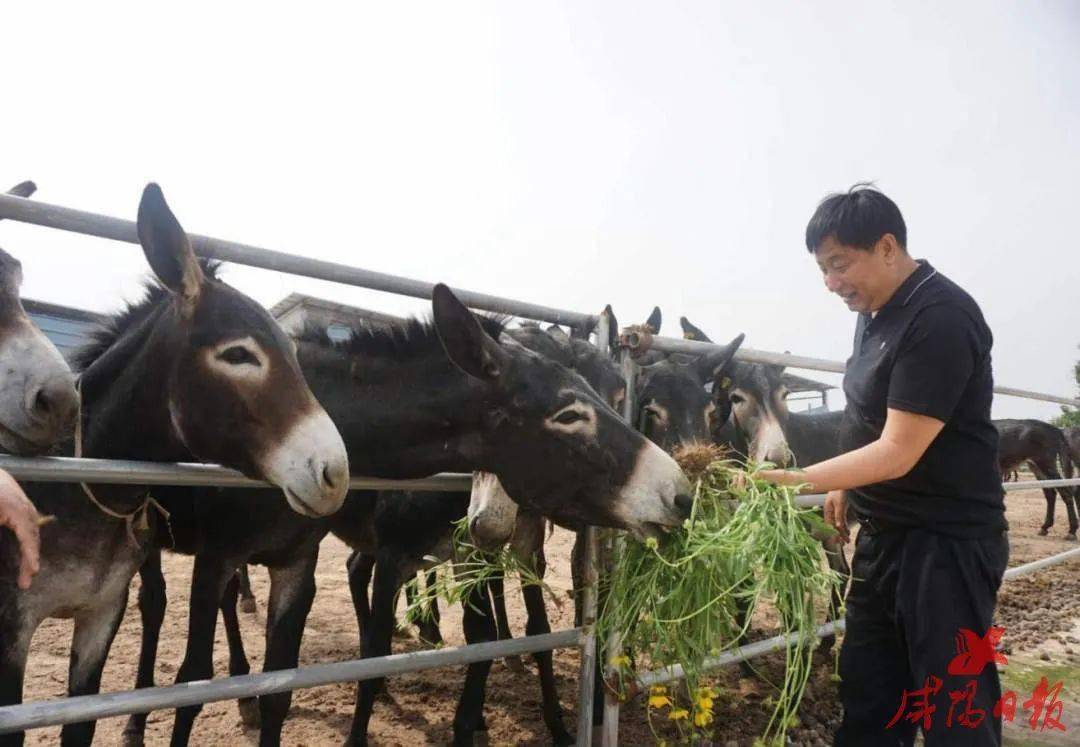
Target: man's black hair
858,218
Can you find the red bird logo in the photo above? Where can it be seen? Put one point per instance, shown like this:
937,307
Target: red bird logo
974,653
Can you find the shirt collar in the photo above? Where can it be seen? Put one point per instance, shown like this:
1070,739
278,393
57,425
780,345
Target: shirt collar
911,285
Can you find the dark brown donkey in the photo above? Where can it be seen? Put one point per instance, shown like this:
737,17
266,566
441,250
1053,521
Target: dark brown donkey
196,371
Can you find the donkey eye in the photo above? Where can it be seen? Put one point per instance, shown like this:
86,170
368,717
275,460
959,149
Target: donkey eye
566,417
653,413
736,398
238,355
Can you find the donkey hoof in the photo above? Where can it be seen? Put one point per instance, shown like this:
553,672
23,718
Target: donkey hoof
247,604
1044,531
249,712
514,664
1071,536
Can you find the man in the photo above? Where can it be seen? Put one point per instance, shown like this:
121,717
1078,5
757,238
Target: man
920,470
18,514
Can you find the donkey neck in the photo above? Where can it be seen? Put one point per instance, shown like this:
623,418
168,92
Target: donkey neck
125,407
400,416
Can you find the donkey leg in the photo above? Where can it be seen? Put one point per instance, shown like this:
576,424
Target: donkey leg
238,662
502,620
478,625
292,590
428,626
1044,474
94,633
15,635
360,567
152,601
208,581
247,596
538,624
376,637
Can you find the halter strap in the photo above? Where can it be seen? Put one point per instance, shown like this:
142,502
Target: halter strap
137,519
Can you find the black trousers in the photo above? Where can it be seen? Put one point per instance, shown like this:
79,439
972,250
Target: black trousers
912,591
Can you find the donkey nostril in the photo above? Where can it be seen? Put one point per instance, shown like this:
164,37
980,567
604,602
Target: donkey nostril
42,403
473,524
684,503
327,476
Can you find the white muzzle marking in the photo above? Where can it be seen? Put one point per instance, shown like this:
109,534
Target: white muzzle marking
311,466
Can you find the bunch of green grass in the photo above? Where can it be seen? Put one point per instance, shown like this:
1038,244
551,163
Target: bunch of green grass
465,574
689,596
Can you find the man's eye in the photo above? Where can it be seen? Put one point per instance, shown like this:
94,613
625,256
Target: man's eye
238,355
566,417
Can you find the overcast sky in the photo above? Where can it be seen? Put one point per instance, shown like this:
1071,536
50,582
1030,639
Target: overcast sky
572,154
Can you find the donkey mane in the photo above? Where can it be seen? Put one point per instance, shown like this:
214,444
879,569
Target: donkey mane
397,341
105,336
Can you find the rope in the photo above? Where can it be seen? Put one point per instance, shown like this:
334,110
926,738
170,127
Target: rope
139,518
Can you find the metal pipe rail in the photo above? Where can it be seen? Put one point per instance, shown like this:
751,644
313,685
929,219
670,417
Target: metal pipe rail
119,229
776,643
131,472
693,347
91,707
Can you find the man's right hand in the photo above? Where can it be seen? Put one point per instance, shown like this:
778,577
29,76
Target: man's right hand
19,514
836,514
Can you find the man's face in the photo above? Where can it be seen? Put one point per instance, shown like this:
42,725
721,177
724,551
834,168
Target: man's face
859,276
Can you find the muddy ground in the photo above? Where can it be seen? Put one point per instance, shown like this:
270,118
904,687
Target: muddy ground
1041,614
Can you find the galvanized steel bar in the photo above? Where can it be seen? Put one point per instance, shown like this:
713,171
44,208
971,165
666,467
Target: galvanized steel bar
130,472
119,229
91,707
693,347
589,596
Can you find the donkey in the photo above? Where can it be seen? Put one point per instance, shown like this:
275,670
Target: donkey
38,402
412,400
1042,446
411,528
195,371
1072,438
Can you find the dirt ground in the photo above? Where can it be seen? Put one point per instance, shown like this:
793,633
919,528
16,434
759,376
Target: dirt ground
1041,614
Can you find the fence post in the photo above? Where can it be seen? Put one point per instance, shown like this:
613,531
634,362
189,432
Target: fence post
591,579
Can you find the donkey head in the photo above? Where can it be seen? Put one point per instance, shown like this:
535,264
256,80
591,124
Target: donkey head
38,402
235,393
756,397
556,446
492,514
674,407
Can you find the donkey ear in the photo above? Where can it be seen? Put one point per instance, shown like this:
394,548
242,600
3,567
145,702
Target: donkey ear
713,366
467,345
690,332
655,320
166,246
23,189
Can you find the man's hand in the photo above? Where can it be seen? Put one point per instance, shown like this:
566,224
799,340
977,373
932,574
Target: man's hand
836,514
19,515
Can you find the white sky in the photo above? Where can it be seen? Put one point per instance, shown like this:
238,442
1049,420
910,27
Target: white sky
571,154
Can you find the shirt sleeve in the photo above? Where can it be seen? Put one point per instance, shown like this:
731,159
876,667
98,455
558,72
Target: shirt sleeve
935,362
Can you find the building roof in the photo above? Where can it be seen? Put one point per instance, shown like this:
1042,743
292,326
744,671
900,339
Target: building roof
801,384
66,312
294,300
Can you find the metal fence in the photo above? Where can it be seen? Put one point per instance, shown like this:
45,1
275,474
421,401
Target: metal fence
58,469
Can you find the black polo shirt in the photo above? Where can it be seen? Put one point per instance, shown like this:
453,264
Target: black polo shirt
927,351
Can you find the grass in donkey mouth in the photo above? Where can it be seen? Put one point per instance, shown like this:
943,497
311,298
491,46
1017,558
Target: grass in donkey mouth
689,595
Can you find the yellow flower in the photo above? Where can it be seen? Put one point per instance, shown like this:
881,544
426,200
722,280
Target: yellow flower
657,690
678,714
705,704
702,719
620,661
651,543
659,701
